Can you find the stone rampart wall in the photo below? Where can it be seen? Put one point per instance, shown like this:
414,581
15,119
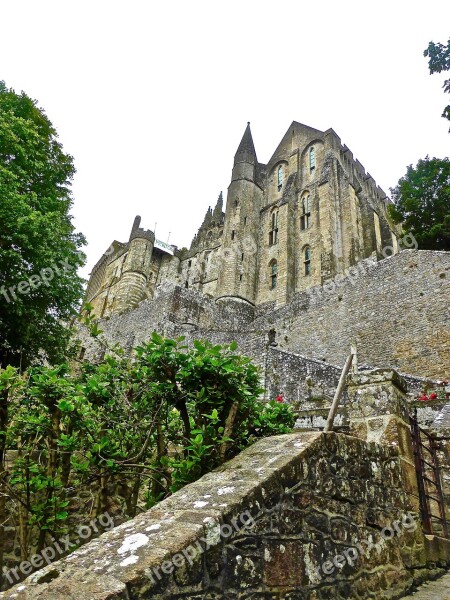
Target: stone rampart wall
396,310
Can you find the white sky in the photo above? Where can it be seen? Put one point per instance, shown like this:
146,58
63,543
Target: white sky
152,98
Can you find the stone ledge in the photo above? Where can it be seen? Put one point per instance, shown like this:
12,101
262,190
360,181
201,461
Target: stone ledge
377,376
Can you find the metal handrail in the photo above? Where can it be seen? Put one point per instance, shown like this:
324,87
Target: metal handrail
423,481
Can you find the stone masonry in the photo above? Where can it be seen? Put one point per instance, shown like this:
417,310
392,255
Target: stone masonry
396,311
302,516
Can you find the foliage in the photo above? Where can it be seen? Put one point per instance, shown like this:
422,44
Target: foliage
39,256
422,202
275,418
137,428
438,61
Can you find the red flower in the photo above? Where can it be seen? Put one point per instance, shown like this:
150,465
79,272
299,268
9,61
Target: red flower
423,397
279,398
433,396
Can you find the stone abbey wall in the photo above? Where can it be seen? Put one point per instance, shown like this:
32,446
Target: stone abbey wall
395,310
302,516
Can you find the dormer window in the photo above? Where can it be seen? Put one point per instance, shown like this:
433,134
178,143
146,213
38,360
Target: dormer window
273,233
305,216
312,159
280,177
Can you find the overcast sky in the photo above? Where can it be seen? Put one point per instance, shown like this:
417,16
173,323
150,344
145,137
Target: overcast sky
152,98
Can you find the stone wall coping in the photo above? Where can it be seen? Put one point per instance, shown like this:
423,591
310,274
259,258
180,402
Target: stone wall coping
377,376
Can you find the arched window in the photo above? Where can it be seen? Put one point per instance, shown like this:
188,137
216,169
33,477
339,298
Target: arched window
280,177
273,274
307,255
273,233
305,215
312,159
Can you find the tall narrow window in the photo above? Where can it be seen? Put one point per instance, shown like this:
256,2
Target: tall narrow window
307,253
312,159
305,215
232,234
280,177
273,233
273,274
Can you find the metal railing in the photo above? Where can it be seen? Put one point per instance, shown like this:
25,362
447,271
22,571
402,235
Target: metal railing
431,497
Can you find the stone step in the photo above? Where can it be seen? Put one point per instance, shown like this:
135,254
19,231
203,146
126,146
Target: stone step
433,590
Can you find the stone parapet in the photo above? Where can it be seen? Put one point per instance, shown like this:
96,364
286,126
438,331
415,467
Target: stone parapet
308,515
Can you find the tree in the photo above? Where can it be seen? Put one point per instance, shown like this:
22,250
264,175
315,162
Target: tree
39,250
422,203
438,61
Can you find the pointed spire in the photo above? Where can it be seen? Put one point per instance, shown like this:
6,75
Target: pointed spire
208,218
246,150
217,214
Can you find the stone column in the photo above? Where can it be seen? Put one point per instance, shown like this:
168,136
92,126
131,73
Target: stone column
378,412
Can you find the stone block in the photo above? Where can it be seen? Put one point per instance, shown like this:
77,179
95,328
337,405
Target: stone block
283,563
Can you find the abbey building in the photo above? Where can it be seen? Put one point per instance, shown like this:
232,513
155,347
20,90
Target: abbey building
298,221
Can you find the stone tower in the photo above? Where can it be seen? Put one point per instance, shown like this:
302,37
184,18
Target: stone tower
135,269
238,275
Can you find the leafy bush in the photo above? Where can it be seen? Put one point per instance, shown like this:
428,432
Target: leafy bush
140,428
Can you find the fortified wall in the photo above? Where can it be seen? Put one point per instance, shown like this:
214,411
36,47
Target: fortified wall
395,310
